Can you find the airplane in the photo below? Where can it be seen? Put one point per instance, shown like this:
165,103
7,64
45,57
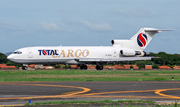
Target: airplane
122,50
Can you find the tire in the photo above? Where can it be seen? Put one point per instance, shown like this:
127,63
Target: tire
24,68
99,67
83,67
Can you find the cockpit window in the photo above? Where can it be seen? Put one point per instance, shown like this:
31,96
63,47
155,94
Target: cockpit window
17,52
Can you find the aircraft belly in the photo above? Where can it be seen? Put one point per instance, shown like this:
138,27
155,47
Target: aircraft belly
46,61
30,61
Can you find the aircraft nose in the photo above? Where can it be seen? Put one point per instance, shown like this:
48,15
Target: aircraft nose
10,57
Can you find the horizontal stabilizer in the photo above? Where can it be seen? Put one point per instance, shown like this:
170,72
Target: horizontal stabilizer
157,30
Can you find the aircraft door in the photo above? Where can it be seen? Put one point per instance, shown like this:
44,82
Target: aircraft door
30,54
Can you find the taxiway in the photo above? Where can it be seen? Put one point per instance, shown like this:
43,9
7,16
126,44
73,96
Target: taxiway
12,93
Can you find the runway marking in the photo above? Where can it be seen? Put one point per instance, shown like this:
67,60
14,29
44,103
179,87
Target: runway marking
80,93
90,95
125,96
169,96
77,92
120,92
156,91
53,96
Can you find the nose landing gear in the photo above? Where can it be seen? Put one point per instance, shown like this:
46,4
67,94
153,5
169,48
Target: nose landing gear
24,68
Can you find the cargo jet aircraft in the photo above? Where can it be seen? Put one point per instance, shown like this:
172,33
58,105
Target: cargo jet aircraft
122,50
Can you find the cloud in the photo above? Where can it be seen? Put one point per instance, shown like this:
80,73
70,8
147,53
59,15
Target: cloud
142,13
97,27
139,12
9,27
51,27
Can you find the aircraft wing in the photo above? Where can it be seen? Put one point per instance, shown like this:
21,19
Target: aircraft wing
113,59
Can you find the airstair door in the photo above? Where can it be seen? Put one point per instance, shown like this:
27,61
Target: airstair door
30,54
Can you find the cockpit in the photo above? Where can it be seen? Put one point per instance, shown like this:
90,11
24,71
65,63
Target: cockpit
17,52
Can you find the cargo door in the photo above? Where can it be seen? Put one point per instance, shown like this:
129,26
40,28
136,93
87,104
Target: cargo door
30,54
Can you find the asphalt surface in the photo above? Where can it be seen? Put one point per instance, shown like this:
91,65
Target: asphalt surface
18,93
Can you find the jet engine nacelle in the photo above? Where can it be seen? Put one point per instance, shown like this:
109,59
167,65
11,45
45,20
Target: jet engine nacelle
116,42
129,52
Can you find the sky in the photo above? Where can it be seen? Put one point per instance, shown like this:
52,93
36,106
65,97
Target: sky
26,23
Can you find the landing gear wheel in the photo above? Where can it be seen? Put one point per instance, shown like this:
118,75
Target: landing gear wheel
99,67
83,67
24,68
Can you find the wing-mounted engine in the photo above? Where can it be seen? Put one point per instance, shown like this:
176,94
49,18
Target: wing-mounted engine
130,52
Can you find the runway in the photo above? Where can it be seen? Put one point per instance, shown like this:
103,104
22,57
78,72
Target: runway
12,93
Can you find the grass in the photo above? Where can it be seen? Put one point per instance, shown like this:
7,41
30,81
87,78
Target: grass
104,102
107,103
88,75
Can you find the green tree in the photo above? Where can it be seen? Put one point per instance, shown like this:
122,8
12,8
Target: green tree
67,66
9,63
140,64
147,62
166,59
3,58
155,66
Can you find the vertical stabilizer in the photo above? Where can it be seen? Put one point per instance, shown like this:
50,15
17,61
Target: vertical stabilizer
143,37
140,40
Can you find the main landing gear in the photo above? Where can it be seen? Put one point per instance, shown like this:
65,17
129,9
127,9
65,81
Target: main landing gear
83,67
99,67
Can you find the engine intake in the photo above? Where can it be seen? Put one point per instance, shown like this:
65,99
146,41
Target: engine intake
112,42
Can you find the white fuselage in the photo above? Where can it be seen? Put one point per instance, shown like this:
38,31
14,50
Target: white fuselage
65,54
122,50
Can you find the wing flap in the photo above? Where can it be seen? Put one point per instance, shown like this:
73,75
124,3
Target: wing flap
113,59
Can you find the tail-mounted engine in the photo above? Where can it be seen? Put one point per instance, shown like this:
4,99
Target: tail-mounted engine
129,52
116,42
